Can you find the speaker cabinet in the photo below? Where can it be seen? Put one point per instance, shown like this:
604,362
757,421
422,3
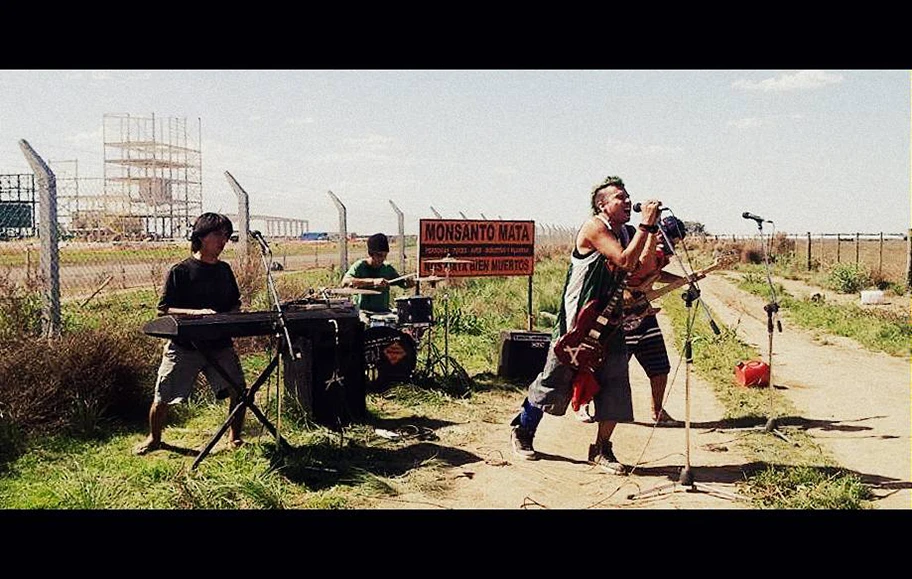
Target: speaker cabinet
328,378
522,354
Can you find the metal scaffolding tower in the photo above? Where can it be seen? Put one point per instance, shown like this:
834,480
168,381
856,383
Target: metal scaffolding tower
152,178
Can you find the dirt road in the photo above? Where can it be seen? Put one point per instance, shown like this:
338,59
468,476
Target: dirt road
854,403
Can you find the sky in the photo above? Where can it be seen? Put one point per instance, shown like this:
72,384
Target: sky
820,151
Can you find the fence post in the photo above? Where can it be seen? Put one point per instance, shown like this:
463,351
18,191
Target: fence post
47,232
909,260
343,233
880,258
838,247
809,251
401,222
857,243
243,201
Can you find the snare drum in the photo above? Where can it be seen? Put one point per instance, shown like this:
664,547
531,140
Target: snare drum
415,310
389,320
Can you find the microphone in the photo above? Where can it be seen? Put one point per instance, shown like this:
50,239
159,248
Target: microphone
637,207
756,218
259,237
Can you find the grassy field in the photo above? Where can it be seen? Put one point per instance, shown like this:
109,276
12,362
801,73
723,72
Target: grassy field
84,460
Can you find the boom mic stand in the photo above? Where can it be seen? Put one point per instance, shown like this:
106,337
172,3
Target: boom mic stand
685,480
772,313
282,327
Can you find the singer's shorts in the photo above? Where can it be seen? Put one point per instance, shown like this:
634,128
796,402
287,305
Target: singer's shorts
180,368
552,389
647,344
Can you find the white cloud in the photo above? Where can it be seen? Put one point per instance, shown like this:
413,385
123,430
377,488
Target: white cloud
800,80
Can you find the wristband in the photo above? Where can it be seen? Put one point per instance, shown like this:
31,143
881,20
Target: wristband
649,228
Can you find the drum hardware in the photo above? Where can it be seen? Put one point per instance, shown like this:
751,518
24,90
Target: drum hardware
429,279
415,310
383,320
439,364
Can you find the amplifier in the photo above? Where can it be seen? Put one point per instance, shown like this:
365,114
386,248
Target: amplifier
328,379
522,354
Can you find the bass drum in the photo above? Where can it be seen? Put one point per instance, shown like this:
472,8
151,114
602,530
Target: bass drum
389,357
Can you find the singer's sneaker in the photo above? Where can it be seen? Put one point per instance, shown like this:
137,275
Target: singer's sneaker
583,414
603,456
521,440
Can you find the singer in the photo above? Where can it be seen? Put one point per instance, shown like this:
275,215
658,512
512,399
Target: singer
603,256
202,284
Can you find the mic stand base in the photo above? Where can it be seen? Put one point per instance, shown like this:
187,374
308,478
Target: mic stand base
685,481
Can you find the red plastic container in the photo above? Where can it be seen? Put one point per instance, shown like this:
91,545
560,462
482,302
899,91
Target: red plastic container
752,373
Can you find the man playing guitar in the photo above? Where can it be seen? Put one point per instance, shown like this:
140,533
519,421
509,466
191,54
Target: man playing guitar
603,255
642,334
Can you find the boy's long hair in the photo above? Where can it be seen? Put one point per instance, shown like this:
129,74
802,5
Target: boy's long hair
206,224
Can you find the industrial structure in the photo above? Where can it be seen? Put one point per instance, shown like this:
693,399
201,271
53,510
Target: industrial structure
152,182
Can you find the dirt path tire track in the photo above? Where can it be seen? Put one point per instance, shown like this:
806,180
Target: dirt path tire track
853,402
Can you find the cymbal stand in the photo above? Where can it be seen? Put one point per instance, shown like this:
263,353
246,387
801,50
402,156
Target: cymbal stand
685,480
446,322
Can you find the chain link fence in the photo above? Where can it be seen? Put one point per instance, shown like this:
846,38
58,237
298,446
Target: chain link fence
99,251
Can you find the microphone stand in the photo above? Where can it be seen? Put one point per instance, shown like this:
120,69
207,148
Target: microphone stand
282,327
685,480
772,313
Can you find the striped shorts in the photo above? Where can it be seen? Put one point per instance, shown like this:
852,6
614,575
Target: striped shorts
647,344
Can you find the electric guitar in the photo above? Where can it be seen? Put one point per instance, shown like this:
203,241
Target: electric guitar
581,347
637,303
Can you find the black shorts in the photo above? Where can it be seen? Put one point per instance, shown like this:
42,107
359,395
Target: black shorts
647,344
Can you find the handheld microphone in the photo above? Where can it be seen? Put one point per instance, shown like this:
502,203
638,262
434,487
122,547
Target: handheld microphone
756,218
637,207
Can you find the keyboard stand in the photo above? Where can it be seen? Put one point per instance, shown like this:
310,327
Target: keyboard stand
246,401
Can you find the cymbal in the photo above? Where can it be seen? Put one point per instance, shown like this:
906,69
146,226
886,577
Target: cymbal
351,291
448,260
430,278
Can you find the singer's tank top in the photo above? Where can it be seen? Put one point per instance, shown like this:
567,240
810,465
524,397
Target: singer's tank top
589,277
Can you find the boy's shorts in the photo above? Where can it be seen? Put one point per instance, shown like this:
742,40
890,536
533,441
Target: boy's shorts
180,367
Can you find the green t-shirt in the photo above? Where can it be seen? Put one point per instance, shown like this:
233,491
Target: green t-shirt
373,302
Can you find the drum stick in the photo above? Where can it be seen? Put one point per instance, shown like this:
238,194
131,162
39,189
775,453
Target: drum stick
402,277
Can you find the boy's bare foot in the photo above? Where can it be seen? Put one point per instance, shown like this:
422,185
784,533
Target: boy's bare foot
236,443
146,446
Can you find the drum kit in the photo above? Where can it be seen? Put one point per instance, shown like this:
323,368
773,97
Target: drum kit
392,340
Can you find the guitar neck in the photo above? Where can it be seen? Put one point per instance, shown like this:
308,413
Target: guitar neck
652,294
